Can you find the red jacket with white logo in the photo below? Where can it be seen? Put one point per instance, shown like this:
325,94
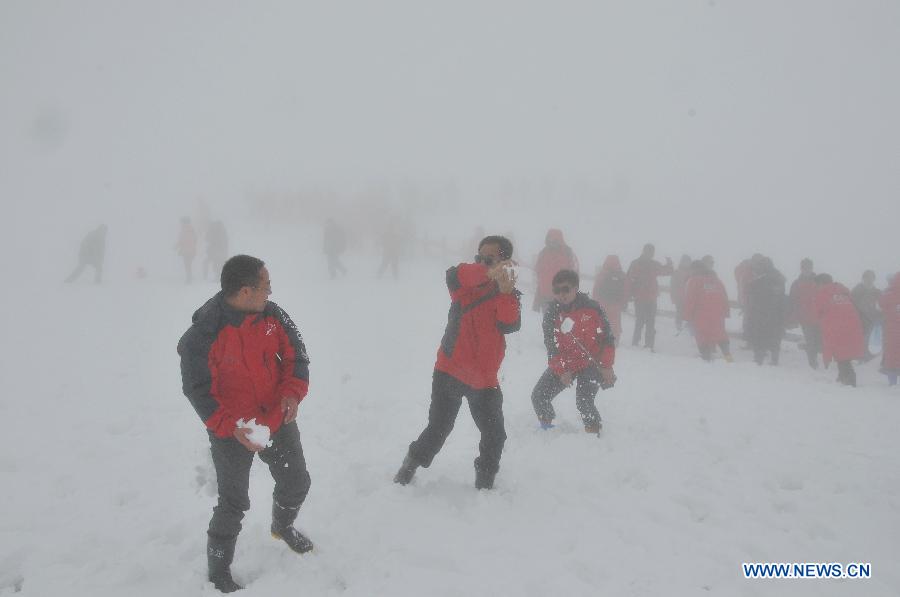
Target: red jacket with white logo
578,336
842,337
474,342
706,308
890,310
237,365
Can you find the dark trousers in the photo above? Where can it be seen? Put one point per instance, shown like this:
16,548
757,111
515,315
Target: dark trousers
549,386
812,338
76,273
486,406
232,462
706,351
644,316
846,373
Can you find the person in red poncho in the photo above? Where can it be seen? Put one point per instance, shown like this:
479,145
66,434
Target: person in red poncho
484,308
706,308
842,336
611,291
580,348
556,255
241,359
802,311
889,302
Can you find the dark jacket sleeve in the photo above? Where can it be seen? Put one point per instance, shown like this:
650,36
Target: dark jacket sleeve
509,312
196,379
294,358
548,326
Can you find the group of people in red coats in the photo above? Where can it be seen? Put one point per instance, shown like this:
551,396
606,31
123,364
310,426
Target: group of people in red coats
835,321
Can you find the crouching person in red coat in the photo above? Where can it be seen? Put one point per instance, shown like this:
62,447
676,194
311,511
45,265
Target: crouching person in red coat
706,308
890,310
842,336
580,348
484,307
242,359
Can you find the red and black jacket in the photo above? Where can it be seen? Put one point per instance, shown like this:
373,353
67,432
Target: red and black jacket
238,365
590,341
474,345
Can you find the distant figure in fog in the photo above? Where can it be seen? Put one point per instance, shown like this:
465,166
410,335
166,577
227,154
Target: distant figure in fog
743,273
644,289
890,348
334,245
765,311
676,288
803,311
865,298
555,256
842,336
391,242
216,248
611,291
91,252
186,247
706,309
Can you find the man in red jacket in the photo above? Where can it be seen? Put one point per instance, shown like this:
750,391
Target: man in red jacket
642,274
243,359
580,347
803,311
484,308
842,337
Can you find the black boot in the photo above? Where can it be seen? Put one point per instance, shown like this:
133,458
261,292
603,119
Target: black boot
407,470
484,479
283,528
219,554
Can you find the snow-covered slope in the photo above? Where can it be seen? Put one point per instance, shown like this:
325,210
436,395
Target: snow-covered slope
700,467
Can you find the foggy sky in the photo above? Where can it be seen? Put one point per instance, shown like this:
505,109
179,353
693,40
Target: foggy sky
721,122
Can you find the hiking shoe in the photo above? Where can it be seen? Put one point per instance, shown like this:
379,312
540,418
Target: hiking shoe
296,540
407,470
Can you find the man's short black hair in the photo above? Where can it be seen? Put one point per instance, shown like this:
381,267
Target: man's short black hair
566,276
505,245
240,271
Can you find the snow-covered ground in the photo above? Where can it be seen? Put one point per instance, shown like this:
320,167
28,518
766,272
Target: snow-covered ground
108,485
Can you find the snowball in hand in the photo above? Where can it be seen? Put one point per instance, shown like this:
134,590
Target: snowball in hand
567,324
259,434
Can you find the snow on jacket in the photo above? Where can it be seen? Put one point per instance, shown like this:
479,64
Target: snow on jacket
706,308
238,365
585,340
803,300
842,337
642,274
890,311
474,342
555,256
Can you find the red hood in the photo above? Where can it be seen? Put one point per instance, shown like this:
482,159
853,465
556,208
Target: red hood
612,264
555,236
